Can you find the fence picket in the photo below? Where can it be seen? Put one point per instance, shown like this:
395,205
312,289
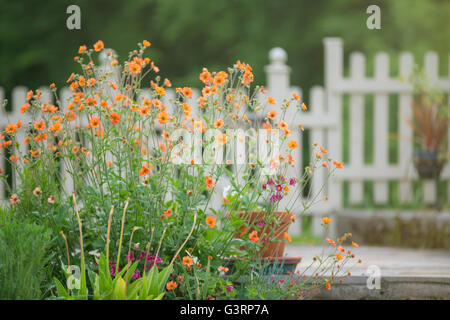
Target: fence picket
405,131
381,134
357,71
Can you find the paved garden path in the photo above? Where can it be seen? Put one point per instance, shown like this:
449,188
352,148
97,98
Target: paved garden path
391,261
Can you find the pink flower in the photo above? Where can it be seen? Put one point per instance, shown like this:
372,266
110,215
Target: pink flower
51,199
136,275
229,288
130,256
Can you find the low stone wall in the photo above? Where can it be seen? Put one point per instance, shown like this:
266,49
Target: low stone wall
413,229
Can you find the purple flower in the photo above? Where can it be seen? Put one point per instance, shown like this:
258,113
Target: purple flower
229,288
136,247
136,275
261,224
276,197
141,255
113,270
278,187
292,181
270,182
130,256
154,260
264,186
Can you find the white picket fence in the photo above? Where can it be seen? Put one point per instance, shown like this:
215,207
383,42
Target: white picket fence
324,120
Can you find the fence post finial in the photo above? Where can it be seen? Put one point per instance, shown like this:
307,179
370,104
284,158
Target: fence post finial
277,73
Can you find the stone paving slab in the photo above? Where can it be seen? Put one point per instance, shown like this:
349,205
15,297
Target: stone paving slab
391,261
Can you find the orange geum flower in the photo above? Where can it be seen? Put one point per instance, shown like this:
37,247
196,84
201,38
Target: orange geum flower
70,78
219,80
295,96
270,100
163,117
165,135
11,128
209,182
328,285
253,236
70,115
144,110
287,237
146,43
14,199
39,125
35,153
160,91
304,107
24,108
168,212
98,45
205,77
221,138
29,95
81,81
323,150
199,125
292,144
206,91
113,85
134,67
187,261
326,220
224,269
210,221
94,122
144,170
338,164
55,127
272,114
331,242
355,244
218,123
91,82
114,117
187,92
73,86
82,49
171,285
338,256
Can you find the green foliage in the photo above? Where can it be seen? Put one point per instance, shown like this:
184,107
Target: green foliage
191,34
23,259
149,287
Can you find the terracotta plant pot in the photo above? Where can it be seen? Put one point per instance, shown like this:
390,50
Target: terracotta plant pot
272,230
428,164
271,265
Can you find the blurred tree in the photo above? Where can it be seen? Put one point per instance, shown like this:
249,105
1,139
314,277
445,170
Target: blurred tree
37,48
